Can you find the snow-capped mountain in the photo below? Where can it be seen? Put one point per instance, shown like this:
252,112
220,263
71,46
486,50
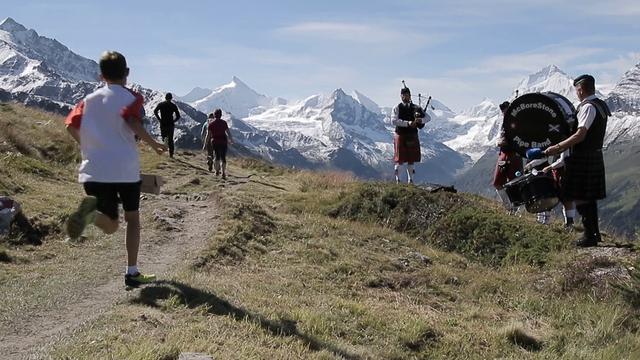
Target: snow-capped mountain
550,78
475,131
365,101
196,93
27,52
34,67
343,132
39,71
479,128
236,98
624,101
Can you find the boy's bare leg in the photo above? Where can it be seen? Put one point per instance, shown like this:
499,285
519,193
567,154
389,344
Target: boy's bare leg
133,277
133,236
106,224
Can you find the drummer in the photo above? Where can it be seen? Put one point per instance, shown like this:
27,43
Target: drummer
585,174
508,164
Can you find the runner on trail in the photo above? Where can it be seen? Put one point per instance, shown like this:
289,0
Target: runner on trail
164,112
105,124
216,142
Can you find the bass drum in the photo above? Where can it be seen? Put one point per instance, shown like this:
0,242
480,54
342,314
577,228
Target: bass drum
540,193
538,120
536,191
514,192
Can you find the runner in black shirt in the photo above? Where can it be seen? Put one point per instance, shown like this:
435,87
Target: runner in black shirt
166,109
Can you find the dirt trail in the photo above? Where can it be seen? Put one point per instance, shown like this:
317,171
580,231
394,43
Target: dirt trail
174,229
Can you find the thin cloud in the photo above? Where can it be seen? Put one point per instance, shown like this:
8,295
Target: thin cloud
228,54
528,61
615,8
355,33
621,63
610,71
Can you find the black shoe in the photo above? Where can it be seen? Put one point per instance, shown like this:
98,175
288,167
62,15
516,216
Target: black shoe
210,166
587,242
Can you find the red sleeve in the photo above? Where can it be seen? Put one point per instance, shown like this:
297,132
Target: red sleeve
75,116
135,110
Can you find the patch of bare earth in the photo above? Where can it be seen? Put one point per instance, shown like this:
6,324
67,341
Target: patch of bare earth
85,280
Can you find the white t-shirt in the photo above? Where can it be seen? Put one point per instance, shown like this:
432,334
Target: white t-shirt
107,143
586,113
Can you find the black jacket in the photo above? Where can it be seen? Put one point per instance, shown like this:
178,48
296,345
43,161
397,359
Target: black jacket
166,110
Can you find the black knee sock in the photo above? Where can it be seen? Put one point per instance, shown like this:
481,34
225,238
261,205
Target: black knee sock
584,211
593,217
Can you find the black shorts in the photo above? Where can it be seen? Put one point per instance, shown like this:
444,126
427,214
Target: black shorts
110,194
219,150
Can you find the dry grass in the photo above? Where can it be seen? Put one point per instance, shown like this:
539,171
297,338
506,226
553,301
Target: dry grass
324,180
519,336
37,168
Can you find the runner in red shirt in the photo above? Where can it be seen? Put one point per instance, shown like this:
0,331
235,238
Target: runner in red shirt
216,142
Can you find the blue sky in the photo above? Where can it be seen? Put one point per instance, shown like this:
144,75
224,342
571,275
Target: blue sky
458,51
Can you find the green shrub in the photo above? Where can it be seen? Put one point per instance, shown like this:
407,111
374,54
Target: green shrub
463,223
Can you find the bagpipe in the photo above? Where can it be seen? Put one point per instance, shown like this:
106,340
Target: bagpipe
420,111
532,123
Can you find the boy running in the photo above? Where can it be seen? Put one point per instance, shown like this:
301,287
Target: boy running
105,125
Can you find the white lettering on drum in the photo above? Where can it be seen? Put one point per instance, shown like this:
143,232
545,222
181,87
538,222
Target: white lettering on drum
521,143
526,145
539,106
543,144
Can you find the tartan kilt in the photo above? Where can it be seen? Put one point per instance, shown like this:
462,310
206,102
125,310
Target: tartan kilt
585,176
506,167
406,149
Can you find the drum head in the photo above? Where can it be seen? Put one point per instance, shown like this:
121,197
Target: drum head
538,120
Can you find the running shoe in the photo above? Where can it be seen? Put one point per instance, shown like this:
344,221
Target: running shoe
83,216
135,280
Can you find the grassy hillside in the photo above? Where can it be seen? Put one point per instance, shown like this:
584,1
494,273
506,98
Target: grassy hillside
322,266
37,162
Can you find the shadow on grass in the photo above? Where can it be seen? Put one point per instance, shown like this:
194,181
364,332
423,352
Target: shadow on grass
192,298
203,170
196,167
269,185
